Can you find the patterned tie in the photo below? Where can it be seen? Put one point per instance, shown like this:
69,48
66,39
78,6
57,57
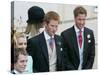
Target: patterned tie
80,38
51,43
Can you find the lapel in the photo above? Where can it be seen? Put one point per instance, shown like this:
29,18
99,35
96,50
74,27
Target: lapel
74,41
43,46
57,44
85,43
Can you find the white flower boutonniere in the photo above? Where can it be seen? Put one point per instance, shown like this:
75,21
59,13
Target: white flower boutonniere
89,41
88,36
61,49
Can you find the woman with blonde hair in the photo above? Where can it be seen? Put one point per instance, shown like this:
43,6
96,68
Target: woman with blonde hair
21,42
35,21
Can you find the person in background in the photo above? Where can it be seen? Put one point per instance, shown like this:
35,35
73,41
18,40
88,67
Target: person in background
78,43
21,42
45,48
20,61
35,21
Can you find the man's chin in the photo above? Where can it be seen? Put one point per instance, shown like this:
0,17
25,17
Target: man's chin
22,71
51,34
81,27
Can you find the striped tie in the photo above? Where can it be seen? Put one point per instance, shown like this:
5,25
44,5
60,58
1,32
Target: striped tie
80,38
51,43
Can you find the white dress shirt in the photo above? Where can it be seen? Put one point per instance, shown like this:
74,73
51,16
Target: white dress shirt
51,53
80,49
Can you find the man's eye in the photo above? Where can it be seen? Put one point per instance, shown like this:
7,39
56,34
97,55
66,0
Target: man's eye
25,43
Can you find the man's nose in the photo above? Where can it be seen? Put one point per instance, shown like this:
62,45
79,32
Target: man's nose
55,28
81,21
25,63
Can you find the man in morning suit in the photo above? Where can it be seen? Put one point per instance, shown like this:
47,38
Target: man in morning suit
45,48
78,43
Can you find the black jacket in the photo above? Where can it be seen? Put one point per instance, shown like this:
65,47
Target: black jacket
71,51
37,48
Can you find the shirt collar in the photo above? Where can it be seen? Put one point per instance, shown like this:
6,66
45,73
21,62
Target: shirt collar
16,72
77,30
47,37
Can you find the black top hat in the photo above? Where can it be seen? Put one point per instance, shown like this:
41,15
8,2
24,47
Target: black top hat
35,15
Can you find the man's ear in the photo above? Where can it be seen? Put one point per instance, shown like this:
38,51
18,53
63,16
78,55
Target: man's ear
44,23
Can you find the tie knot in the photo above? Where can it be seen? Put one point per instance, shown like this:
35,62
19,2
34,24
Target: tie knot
80,38
51,39
51,43
80,32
